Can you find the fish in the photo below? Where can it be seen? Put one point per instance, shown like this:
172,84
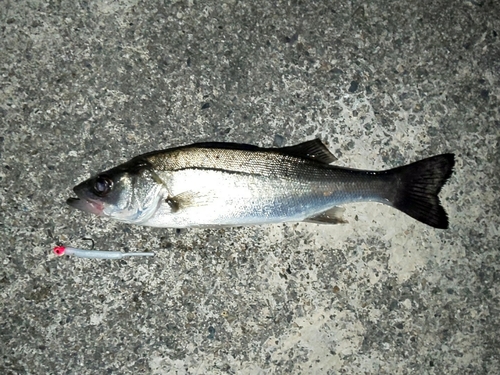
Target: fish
230,184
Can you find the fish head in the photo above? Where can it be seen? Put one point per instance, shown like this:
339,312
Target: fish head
130,193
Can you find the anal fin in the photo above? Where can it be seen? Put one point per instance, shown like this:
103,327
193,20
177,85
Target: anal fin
333,215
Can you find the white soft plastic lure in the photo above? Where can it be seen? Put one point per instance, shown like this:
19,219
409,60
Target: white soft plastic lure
96,254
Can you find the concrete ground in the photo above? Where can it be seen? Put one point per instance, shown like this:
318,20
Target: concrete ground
85,85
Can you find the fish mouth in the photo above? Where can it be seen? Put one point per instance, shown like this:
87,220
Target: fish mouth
86,205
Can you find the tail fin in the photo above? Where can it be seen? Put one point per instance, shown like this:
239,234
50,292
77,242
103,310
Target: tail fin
418,186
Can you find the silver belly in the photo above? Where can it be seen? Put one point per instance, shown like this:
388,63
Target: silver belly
219,198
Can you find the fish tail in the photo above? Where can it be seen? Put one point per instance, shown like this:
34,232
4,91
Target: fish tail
418,185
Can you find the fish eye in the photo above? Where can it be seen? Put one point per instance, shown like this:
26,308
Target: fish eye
102,185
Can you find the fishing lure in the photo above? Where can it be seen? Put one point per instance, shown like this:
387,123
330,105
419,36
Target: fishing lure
96,254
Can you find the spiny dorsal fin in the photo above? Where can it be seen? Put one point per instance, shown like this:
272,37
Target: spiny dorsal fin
225,145
312,150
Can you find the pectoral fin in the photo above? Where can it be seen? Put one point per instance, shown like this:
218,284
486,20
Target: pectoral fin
332,216
187,199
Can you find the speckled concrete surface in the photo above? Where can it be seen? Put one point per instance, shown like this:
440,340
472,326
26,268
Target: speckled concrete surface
86,85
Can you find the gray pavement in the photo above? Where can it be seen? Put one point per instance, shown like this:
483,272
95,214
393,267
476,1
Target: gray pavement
85,85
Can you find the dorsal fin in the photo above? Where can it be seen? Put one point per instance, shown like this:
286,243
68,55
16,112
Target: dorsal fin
226,145
312,150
